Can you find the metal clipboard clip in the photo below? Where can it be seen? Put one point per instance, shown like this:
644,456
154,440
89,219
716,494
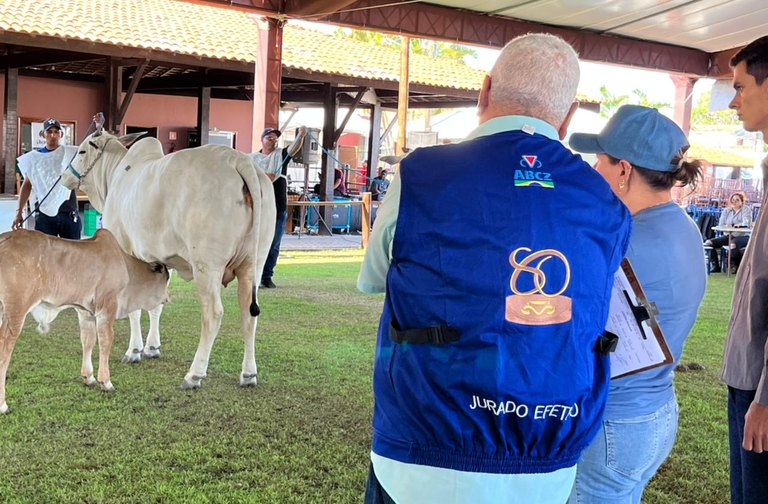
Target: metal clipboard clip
644,310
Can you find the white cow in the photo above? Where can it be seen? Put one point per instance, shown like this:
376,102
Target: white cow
206,212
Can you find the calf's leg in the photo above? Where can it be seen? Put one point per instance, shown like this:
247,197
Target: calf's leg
105,329
87,340
10,328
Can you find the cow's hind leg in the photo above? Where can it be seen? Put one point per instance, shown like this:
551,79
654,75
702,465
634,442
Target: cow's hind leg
152,348
208,284
10,328
88,341
133,354
245,295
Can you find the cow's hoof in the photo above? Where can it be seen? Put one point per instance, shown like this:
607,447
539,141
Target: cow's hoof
151,352
3,409
132,356
191,382
248,380
107,386
89,381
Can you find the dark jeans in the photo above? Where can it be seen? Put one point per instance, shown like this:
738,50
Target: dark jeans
749,470
374,493
739,242
274,250
65,225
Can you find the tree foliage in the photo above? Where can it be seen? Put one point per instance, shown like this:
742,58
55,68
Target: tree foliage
610,102
701,116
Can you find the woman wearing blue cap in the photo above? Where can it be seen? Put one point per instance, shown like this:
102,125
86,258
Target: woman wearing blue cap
641,154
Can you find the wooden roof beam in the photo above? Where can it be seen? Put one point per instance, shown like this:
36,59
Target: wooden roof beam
41,58
131,90
120,53
467,27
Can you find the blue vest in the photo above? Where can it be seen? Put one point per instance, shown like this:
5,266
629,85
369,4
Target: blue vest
511,241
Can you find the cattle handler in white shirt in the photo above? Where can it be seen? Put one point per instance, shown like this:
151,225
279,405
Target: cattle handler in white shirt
274,162
57,214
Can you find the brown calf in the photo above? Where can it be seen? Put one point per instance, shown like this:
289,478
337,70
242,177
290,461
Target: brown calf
93,276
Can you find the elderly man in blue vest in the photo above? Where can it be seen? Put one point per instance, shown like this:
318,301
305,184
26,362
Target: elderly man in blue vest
497,256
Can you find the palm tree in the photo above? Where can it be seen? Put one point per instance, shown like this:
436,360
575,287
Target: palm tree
609,102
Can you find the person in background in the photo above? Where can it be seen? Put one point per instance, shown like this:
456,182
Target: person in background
57,214
339,183
489,374
379,185
745,360
641,154
736,215
274,162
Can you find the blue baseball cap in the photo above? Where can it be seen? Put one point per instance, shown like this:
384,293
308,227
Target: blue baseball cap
641,135
267,131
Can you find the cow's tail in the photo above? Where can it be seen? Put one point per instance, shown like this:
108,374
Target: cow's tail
263,201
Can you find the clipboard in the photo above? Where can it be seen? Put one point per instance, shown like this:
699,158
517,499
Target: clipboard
632,317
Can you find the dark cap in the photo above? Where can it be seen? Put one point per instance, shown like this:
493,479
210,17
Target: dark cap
51,123
267,131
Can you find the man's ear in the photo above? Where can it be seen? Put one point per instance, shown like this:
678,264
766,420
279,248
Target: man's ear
563,129
485,92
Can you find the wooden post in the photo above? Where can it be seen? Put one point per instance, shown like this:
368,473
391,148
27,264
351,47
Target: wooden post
374,142
330,107
683,100
10,129
203,113
114,86
402,94
365,221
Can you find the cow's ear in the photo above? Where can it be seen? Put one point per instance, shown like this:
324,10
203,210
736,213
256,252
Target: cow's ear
158,267
127,140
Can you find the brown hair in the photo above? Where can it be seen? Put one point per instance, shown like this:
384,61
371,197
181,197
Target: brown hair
689,172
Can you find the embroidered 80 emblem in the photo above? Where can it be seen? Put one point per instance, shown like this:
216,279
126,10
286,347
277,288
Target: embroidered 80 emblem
537,306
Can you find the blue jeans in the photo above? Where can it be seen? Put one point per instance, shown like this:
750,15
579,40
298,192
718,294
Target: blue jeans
749,470
65,225
274,250
624,456
374,493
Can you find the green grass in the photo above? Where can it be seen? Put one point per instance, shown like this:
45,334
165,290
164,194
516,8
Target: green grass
301,436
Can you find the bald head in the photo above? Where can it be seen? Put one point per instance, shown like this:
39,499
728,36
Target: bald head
535,75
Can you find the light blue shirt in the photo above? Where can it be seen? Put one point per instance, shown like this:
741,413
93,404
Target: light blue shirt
409,483
667,254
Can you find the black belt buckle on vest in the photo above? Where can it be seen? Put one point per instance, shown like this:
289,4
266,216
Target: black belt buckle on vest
606,343
434,335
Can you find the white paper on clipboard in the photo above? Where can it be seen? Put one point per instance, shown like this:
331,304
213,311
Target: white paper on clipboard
641,345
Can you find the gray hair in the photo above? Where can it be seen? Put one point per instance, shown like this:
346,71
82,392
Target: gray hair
536,75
